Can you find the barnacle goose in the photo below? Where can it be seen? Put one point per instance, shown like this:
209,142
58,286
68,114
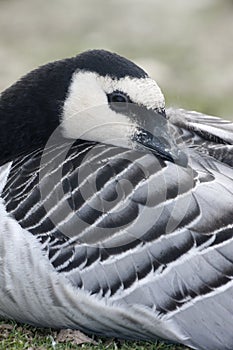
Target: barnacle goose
116,216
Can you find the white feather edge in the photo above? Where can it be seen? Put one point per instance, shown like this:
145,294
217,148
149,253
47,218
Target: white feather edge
43,291
4,173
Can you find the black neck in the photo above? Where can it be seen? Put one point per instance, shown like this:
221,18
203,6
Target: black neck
30,109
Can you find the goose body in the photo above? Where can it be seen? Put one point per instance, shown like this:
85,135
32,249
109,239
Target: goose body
114,219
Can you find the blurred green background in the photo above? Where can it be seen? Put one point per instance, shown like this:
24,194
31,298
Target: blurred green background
185,45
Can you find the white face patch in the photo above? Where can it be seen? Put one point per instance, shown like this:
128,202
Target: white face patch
86,112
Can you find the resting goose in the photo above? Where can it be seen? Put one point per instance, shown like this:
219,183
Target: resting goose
116,216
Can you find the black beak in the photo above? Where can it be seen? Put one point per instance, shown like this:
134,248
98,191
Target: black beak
155,137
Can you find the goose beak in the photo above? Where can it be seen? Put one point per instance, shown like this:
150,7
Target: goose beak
155,137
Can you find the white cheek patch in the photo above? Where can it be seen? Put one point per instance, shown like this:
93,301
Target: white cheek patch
86,114
99,124
84,92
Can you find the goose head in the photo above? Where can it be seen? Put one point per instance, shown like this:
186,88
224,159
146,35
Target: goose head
96,96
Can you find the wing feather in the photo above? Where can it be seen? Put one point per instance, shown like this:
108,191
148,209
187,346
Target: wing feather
135,229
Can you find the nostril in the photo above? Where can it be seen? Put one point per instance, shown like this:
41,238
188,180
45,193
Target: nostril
144,137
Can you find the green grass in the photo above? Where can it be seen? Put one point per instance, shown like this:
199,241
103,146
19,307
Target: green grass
17,336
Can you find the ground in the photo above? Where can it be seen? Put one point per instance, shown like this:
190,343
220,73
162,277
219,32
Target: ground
14,336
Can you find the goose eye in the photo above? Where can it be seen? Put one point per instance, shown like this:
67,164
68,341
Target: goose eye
118,101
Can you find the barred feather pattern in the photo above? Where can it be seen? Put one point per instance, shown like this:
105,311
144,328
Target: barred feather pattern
136,233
